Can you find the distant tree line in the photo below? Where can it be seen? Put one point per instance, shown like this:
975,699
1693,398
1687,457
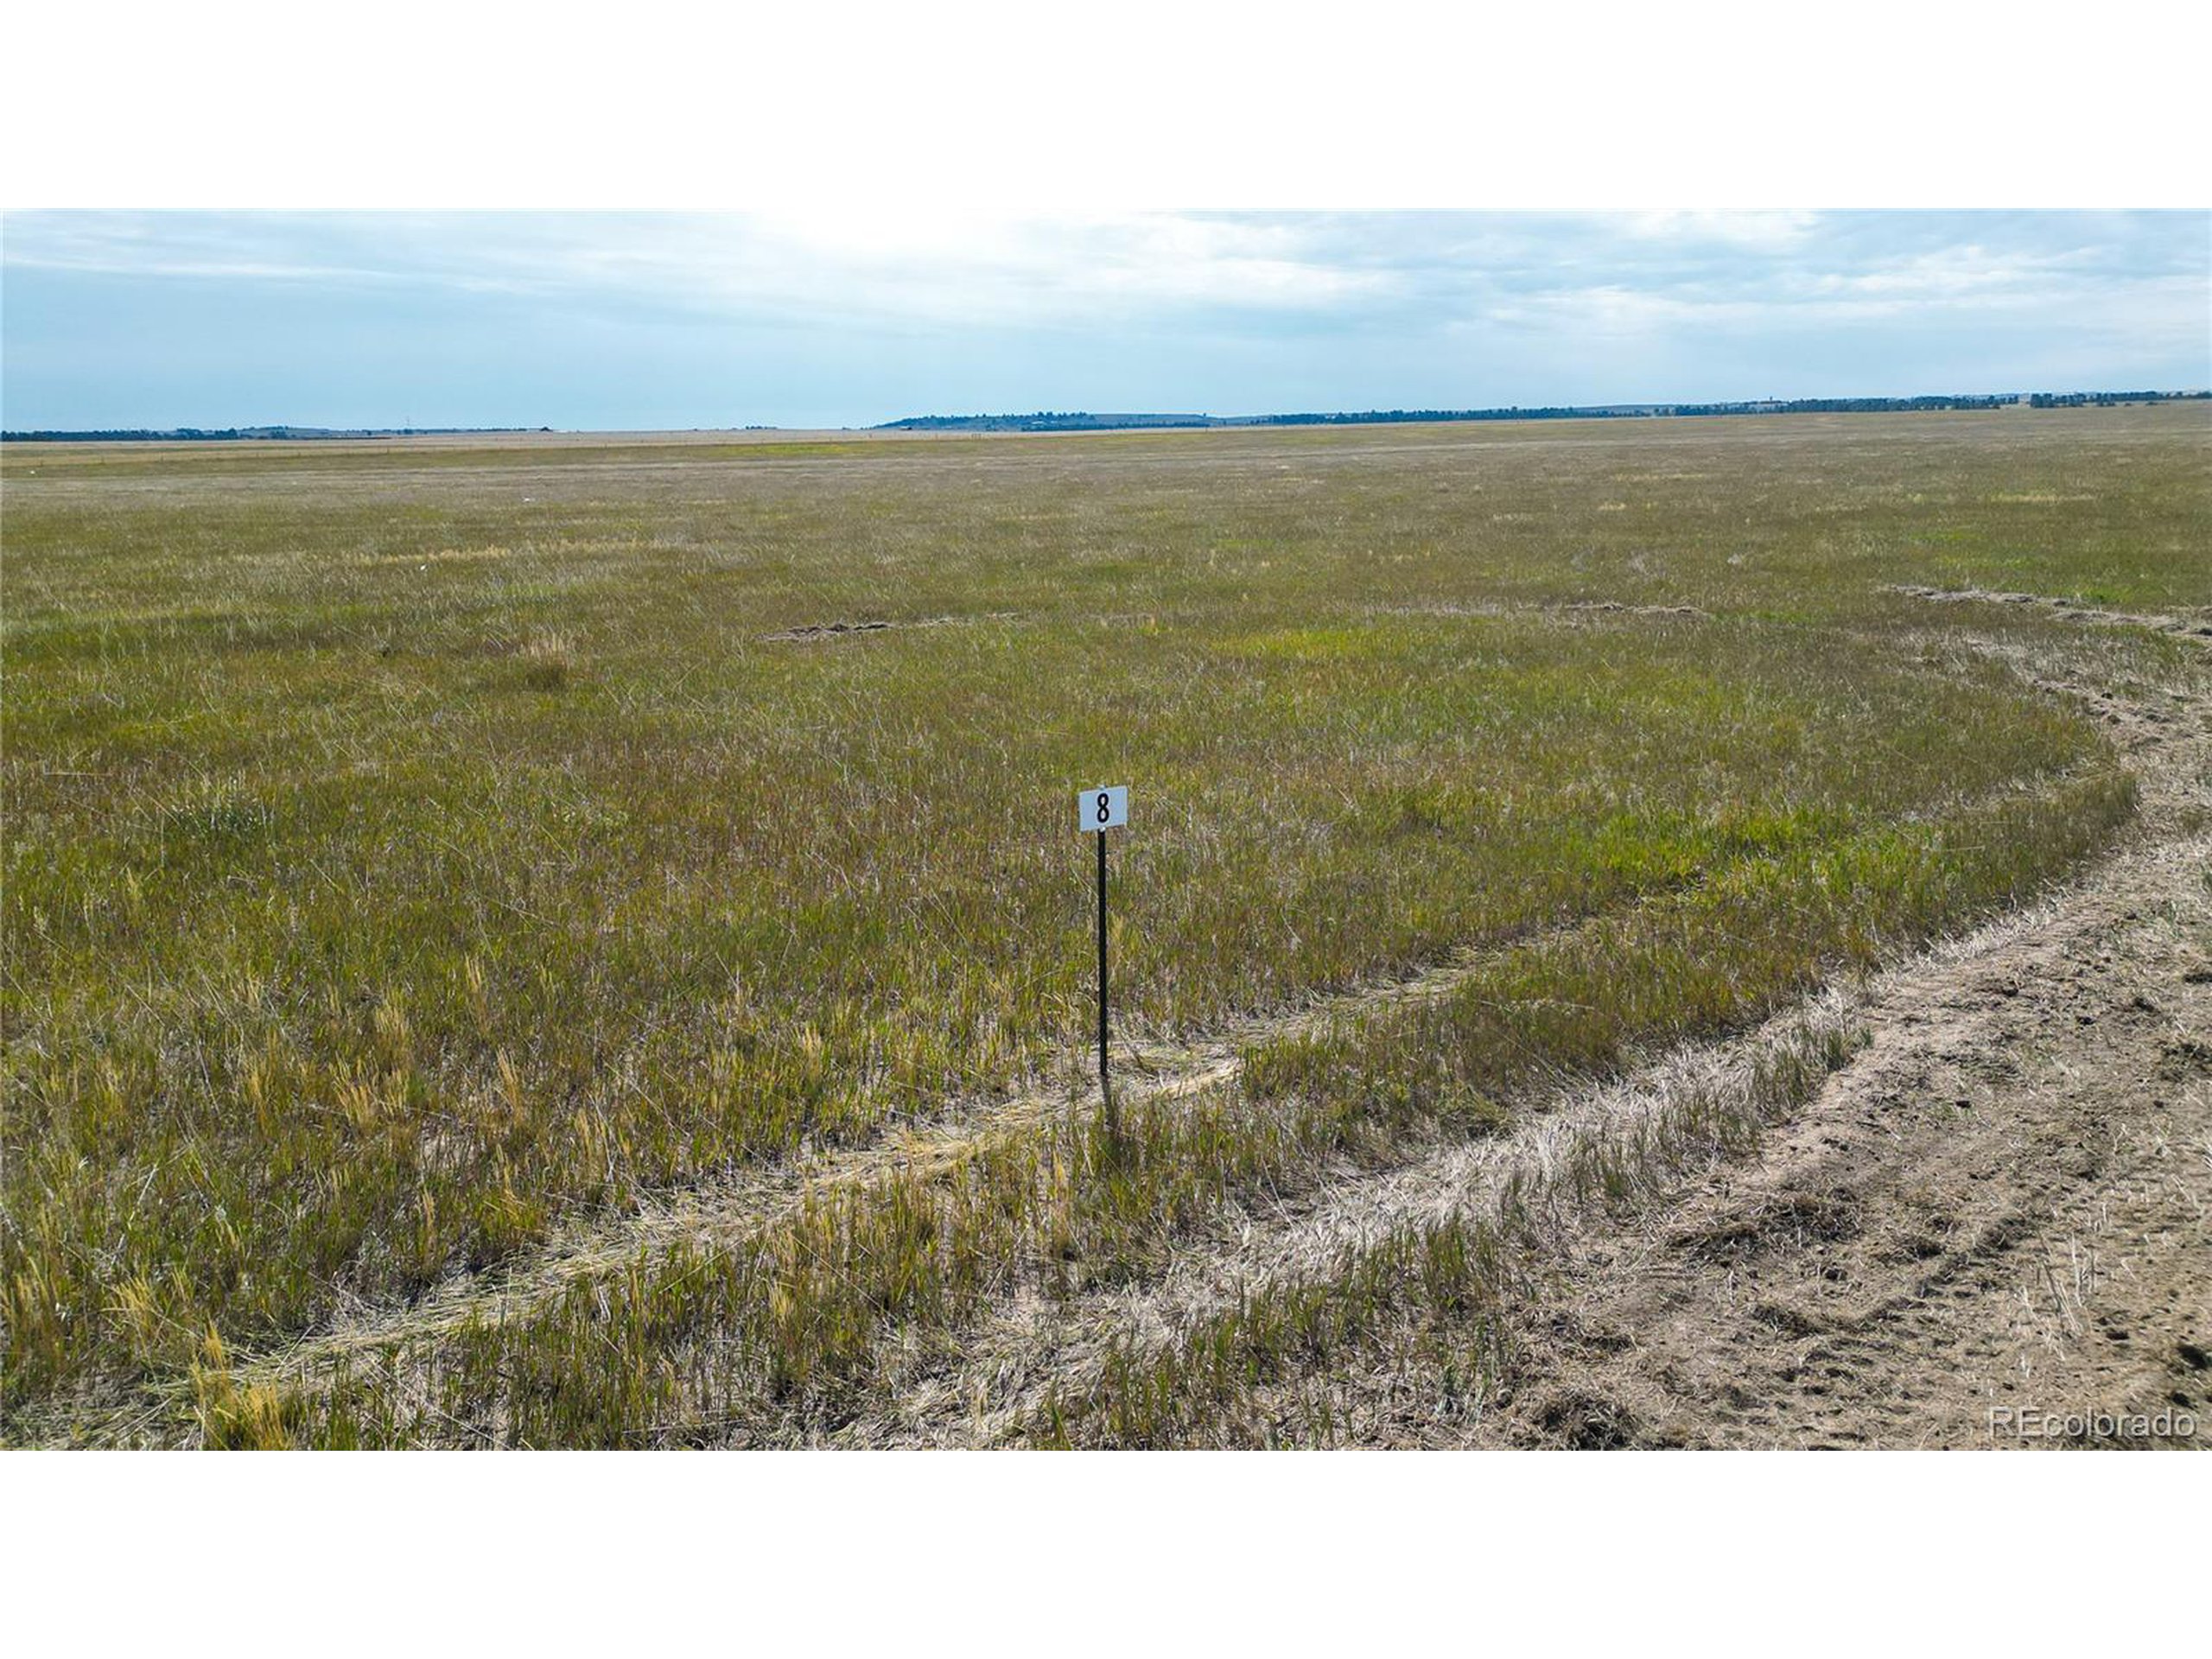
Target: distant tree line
1382,417
135,435
201,435
1765,406
1909,406
2107,399
1081,420
1844,405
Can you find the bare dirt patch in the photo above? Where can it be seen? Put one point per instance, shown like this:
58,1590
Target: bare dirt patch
1998,1217
827,631
847,630
2005,1206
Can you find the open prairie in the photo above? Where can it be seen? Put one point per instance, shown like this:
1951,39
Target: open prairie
584,942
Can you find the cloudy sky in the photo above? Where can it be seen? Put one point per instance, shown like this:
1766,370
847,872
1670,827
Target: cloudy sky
606,321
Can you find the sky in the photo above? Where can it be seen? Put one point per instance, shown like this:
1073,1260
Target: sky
655,321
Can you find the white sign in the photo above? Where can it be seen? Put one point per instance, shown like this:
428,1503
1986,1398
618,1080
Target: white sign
1102,809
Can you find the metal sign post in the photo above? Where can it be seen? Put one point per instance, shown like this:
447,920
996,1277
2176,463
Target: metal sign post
1097,810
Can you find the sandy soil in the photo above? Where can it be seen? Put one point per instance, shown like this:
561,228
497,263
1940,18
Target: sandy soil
1997,1219
2005,1206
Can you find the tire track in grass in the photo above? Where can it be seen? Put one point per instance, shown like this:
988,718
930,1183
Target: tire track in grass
729,1213
2190,624
1034,1355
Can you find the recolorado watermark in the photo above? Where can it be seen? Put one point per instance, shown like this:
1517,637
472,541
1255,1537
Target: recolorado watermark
2033,1423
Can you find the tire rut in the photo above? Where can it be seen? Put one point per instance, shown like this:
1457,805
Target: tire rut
730,1212
1034,1348
1028,1337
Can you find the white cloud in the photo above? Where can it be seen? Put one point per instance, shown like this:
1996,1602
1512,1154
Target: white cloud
925,267
1240,312
1776,232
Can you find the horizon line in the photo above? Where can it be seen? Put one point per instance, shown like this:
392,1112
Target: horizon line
275,430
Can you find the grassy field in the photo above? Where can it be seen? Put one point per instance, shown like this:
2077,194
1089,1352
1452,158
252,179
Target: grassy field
424,865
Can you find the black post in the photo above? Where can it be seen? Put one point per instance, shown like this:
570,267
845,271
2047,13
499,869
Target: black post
1105,1088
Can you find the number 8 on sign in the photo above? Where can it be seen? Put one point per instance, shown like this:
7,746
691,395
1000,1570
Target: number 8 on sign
1103,809
1097,810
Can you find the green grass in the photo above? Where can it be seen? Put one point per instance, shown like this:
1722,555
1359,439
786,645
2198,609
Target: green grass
812,1321
401,858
